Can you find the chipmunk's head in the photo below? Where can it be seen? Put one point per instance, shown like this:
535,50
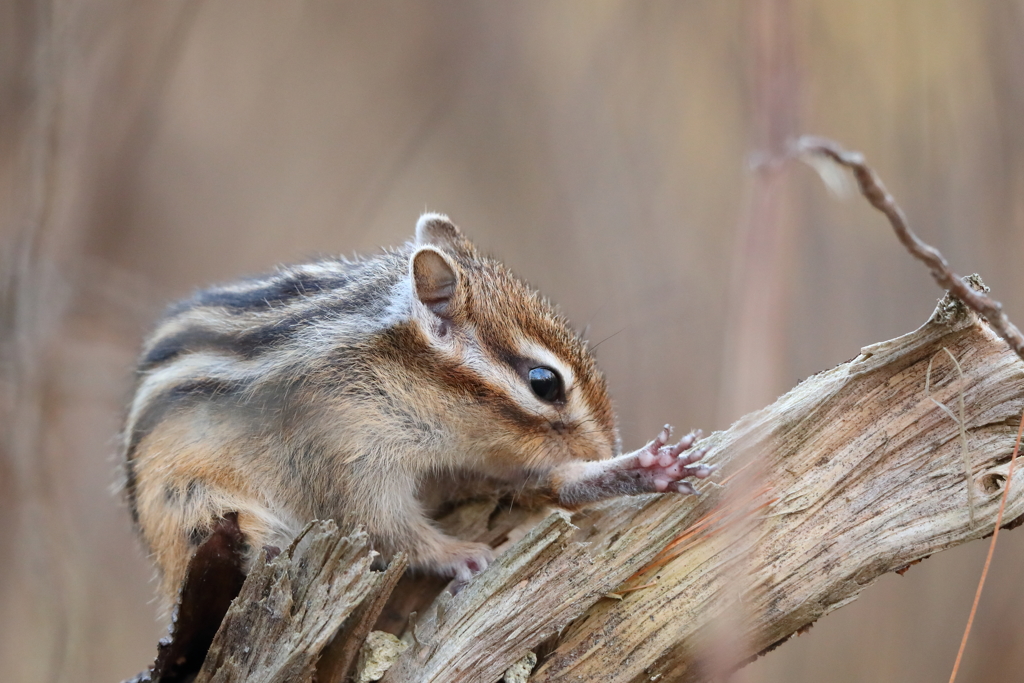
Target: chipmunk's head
507,353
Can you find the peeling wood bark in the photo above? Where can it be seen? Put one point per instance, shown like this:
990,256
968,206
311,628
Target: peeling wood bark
291,607
488,521
338,660
856,472
530,592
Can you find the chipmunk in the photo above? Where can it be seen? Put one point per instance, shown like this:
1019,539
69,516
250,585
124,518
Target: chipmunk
344,389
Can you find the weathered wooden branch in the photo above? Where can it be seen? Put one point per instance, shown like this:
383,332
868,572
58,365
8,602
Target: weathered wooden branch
859,471
291,607
856,472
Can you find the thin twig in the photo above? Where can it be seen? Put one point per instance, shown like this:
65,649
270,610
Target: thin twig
874,191
991,550
965,454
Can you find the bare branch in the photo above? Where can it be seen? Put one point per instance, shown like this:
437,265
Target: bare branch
861,475
874,191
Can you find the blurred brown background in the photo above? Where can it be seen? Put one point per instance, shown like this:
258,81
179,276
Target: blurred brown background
600,148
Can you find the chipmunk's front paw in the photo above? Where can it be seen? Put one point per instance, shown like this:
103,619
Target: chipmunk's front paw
666,467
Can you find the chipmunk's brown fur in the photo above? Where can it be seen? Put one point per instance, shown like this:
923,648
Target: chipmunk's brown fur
340,389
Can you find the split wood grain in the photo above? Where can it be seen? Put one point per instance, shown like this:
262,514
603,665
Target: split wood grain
854,473
291,607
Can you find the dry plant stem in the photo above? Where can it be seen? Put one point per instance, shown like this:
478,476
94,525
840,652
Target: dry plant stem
964,450
874,191
991,551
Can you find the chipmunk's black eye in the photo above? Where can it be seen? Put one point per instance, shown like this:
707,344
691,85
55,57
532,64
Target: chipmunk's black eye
546,383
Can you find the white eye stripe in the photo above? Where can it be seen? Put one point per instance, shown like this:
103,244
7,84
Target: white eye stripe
467,350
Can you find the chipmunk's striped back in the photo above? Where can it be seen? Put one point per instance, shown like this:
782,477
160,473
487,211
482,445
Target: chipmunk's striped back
228,342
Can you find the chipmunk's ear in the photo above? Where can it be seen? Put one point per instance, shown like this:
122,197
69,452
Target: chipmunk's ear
434,280
436,230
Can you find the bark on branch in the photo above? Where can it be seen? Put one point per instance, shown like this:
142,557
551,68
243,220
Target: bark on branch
861,474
